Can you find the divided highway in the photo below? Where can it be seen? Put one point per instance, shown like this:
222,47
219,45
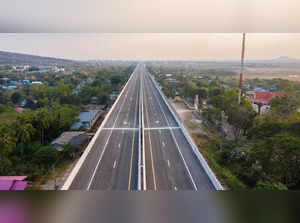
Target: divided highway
141,145
111,160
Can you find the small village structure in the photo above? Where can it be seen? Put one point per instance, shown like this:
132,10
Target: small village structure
72,138
260,99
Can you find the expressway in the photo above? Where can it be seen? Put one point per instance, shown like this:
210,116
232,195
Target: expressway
170,162
141,145
111,160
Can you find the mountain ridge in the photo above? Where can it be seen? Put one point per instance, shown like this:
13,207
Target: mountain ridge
12,58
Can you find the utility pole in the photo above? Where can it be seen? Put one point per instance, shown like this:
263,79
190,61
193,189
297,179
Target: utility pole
242,68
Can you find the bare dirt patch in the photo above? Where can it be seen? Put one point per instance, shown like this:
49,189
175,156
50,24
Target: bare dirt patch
189,119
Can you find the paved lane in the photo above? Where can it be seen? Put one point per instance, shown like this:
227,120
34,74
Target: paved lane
170,161
111,163
141,141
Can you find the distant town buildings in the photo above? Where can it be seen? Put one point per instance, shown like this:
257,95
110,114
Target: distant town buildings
37,69
20,68
9,87
13,84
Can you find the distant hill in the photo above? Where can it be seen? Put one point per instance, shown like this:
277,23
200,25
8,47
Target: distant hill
8,58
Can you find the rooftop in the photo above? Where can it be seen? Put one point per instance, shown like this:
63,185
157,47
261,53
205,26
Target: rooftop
85,119
13,183
65,138
265,97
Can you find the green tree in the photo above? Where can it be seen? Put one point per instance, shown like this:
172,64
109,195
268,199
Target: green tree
266,185
2,108
214,91
190,89
285,105
203,92
25,133
241,118
16,97
3,98
43,120
46,155
279,156
7,142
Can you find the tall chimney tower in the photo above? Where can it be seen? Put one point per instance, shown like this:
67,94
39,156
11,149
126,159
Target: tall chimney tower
242,68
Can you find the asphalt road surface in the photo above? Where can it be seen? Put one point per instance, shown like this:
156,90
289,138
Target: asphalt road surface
113,159
140,122
170,162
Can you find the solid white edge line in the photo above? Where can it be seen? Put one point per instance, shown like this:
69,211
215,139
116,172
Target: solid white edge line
105,146
143,140
120,129
177,146
162,128
78,165
200,157
140,136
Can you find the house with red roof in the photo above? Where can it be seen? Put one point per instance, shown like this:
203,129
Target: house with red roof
13,182
19,109
260,100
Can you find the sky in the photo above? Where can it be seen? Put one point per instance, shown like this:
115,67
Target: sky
151,29
152,46
148,16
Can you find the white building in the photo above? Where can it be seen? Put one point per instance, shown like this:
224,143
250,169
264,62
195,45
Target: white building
36,82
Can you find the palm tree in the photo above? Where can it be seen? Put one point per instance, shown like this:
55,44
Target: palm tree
6,142
44,121
26,131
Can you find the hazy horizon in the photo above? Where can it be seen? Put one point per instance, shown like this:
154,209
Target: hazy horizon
152,46
155,16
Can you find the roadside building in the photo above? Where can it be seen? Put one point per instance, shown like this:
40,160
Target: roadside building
169,75
13,182
95,107
10,87
26,82
75,139
37,83
86,119
199,77
19,109
259,89
5,80
260,100
23,103
171,80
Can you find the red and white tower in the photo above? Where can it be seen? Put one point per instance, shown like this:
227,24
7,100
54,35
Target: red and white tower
242,68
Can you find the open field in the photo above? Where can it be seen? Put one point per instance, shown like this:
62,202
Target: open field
291,74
